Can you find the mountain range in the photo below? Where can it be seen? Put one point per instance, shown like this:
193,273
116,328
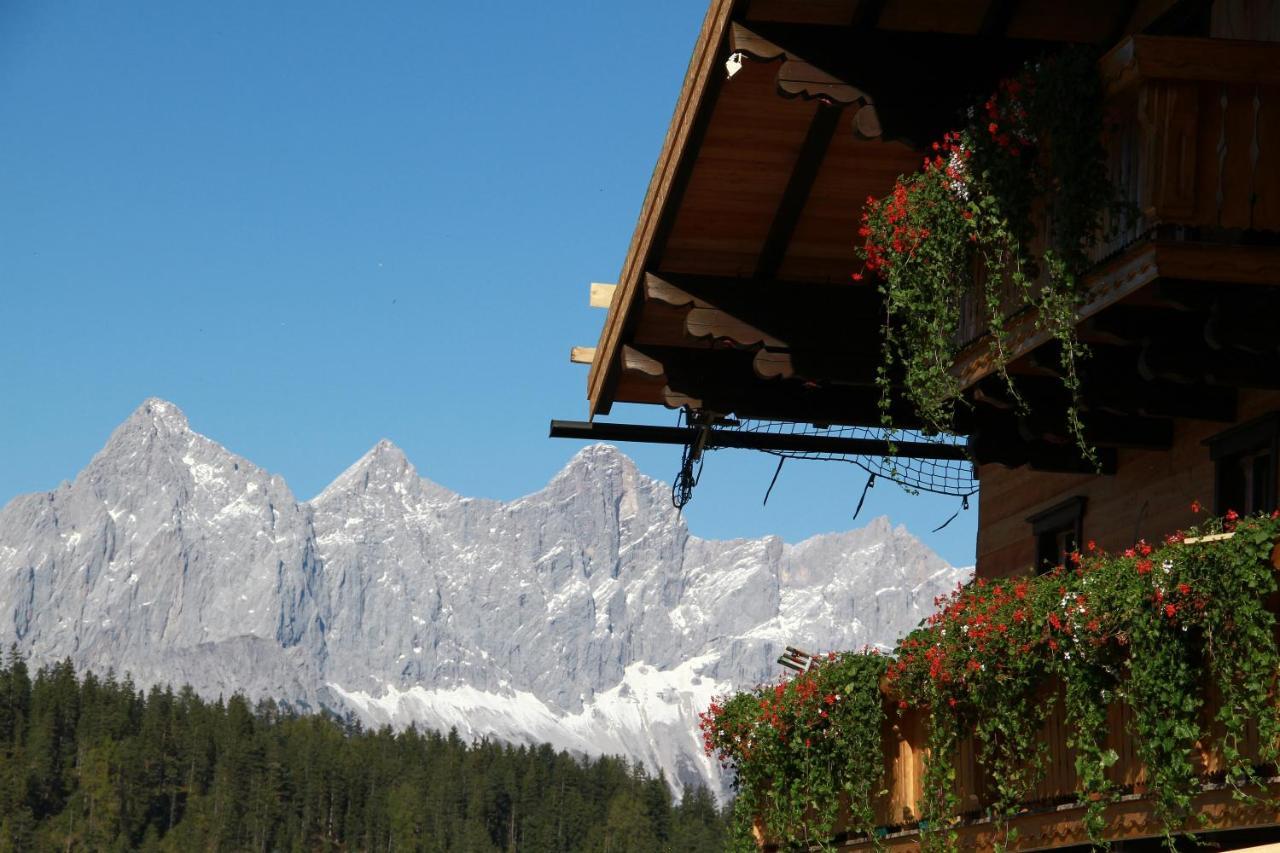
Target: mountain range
585,614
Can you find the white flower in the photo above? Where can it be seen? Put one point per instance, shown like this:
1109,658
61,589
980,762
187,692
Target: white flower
1066,655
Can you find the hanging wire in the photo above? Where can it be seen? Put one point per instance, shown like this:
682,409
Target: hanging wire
871,484
774,481
964,504
692,458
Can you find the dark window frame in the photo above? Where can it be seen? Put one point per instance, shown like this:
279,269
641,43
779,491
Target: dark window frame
1049,526
1258,441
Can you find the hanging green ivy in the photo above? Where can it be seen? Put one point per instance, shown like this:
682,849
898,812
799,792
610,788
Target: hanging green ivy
1151,627
1032,152
802,749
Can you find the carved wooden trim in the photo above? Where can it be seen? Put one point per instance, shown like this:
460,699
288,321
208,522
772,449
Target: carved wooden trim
798,77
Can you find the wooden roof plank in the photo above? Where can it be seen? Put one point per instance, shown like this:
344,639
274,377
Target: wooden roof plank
702,81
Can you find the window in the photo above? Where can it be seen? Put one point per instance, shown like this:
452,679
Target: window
1245,466
1058,531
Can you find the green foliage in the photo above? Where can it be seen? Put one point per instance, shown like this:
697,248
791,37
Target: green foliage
1153,627
92,764
802,748
1033,150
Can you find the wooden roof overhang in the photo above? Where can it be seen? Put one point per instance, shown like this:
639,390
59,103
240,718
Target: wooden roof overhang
736,296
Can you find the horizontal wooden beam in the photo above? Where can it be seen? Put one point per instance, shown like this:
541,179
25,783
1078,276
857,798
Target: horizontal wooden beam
1189,364
602,294
693,311
723,379
582,355
915,101
1199,267
745,439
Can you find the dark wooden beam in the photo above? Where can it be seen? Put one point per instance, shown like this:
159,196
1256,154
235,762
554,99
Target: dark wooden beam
1248,325
1101,429
1127,325
915,100
838,368
1000,443
867,14
822,129
1112,385
837,318
722,379
747,440
1188,364
859,300
995,21
1123,15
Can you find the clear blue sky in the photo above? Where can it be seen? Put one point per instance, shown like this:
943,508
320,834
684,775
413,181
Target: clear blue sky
315,224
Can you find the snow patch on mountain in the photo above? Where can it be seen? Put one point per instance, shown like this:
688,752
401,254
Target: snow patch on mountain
584,614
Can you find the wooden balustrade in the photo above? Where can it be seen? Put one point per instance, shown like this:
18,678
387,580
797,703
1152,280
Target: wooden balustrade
1193,147
1052,813
1051,816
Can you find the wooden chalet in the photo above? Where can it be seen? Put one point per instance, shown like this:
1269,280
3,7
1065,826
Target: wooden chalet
736,296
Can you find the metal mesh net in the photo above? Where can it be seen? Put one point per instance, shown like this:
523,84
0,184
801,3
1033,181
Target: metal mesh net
938,476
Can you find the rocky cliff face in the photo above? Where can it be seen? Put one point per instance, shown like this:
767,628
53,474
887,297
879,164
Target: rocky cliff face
584,614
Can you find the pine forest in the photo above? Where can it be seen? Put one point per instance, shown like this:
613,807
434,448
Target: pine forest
94,764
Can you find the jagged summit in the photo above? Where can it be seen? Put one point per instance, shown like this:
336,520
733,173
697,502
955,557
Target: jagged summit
155,419
603,463
600,455
583,614
159,413
384,468
154,438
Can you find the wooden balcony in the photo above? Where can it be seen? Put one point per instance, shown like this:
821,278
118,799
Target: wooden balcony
1052,816
1193,148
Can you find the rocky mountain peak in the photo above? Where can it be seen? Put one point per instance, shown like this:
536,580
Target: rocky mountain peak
383,470
584,614
599,458
155,422
161,415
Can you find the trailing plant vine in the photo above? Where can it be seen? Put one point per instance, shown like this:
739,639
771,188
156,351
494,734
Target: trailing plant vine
802,748
1165,630
964,227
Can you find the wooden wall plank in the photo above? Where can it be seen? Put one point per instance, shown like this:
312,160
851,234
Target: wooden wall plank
1238,155
1266,176
1149,496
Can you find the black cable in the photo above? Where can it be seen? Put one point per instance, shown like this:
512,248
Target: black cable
772,482
871,482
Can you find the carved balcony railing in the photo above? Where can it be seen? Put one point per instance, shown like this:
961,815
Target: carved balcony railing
1052,816
1194,150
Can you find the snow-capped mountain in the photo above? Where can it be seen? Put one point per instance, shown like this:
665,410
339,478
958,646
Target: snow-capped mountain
585,615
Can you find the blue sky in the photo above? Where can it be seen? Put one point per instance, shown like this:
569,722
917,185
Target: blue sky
313,225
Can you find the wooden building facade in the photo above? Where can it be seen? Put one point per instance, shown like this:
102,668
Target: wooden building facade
736,297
